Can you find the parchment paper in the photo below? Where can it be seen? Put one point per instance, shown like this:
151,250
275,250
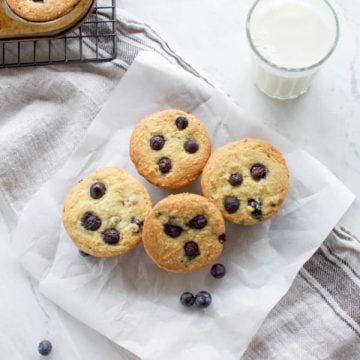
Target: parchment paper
130,300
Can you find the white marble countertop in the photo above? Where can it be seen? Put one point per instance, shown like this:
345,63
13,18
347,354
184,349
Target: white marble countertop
210,35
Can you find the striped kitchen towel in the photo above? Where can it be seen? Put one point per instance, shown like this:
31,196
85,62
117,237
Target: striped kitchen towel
45,114
319,317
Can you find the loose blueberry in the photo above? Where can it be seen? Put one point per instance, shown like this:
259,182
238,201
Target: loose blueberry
83,253
45,347
181,122
173,231
231,204
258,172
191,146
222,238
110,236
157,142
90,221
198,222
218,271
235,179
187,299
191,249
97,190
165,165
203,299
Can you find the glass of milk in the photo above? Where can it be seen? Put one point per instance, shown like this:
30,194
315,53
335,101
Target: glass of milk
289,41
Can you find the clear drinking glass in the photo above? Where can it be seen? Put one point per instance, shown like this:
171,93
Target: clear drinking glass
287,82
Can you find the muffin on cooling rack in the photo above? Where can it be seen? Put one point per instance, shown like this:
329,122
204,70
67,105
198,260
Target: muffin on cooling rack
41,10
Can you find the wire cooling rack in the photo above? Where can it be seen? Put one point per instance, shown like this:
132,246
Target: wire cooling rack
93,41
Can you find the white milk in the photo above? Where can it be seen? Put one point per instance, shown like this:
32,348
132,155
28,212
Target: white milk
290,35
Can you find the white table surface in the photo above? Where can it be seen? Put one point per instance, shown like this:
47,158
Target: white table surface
210,35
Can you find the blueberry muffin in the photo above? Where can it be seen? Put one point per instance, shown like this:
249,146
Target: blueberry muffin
41,10
247,180
170,148
184,232
104,213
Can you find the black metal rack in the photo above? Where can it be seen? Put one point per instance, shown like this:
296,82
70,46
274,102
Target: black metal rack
93,41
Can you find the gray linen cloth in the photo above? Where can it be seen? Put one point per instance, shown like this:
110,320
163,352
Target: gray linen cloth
319,317
45,113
